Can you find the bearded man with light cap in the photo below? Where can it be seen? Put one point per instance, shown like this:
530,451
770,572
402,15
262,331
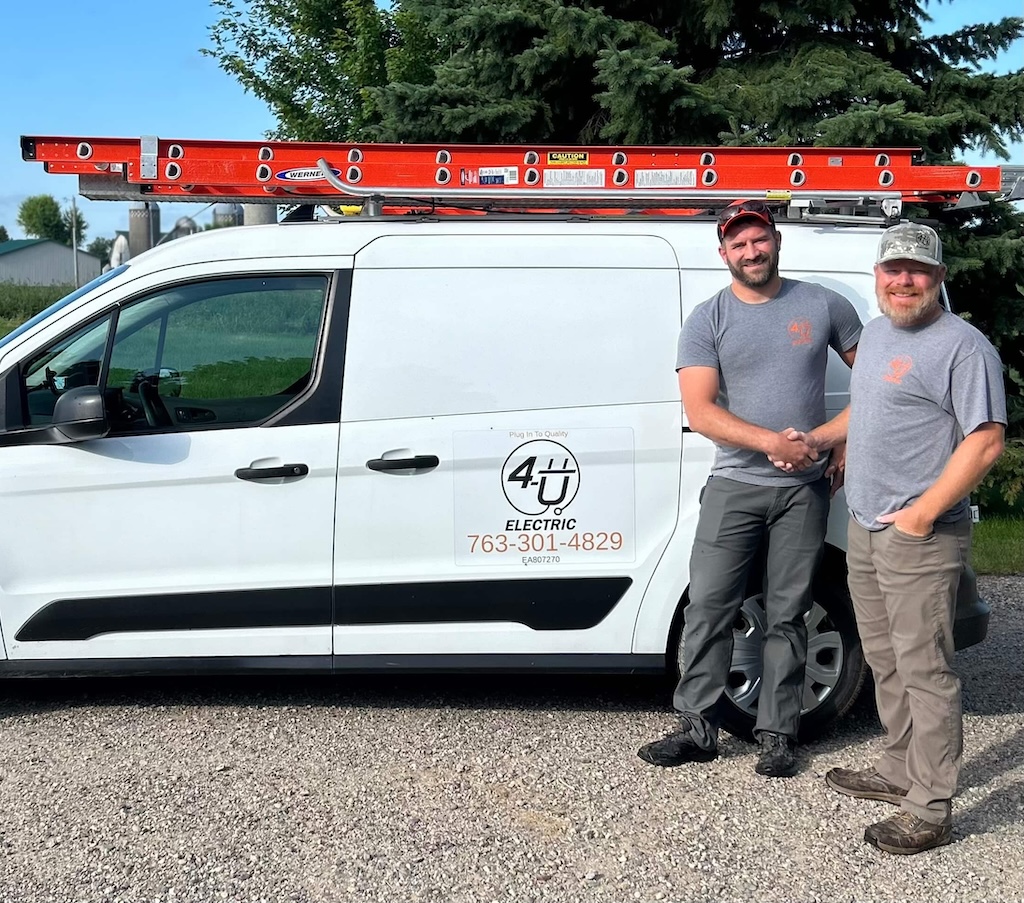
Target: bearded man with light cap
925,423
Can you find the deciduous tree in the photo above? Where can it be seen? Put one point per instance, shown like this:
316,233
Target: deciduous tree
42,217
100,247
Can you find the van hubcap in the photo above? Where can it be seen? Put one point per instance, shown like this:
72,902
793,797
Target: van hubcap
825,656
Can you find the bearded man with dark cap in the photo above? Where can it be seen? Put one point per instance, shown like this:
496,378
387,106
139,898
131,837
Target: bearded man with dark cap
751,365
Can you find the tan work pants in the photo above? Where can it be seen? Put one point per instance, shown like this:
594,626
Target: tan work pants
904,596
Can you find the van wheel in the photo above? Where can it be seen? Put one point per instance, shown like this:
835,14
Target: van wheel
835,663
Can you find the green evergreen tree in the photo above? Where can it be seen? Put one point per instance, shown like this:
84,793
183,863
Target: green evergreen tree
689,72
825,72
3,234
984,249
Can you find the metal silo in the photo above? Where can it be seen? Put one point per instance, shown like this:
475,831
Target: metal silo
227,215
143,227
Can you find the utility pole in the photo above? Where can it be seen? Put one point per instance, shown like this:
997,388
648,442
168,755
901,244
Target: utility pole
74,237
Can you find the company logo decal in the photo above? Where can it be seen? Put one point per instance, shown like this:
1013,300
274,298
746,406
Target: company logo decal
540,476
898,368
519,497
801,332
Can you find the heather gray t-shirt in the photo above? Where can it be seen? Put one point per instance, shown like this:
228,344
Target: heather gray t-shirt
771,361
914,394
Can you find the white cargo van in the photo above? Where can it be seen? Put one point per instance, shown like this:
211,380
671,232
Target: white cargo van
389,443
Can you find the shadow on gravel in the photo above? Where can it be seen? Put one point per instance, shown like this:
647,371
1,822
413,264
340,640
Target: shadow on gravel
538,692
1000,809
991,671
995,760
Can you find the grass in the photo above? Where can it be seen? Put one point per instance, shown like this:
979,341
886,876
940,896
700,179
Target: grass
998,545
19,302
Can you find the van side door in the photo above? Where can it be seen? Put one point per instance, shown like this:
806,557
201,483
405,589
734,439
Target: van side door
510,448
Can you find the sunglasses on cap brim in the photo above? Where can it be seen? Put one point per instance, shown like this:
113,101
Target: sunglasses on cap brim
755,209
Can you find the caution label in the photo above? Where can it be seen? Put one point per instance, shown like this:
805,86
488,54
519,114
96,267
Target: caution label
568,158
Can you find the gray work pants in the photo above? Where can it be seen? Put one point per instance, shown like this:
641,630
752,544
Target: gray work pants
904,596
735,518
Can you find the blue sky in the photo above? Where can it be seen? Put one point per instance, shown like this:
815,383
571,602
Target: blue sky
85,69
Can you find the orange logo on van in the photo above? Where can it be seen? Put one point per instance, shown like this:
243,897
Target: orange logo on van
801,332
898,368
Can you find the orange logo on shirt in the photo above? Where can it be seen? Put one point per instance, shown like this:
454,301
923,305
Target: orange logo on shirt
898,368
801,332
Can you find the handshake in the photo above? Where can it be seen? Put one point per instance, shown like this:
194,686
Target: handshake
794,450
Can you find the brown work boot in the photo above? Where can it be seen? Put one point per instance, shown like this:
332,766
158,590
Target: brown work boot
906,834
866,784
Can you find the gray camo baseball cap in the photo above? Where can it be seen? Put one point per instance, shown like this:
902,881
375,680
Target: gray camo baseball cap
910,241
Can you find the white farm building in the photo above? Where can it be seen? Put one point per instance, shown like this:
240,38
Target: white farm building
40,261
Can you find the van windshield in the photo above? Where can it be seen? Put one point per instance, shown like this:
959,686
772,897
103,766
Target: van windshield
62,303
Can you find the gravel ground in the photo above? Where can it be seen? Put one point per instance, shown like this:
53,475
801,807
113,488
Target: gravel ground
470,789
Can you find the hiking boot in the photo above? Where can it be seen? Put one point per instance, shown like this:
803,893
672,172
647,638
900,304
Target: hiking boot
866,784
675,749
905,834
777,759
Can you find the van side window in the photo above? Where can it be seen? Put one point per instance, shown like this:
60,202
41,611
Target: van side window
68,363
200,355
212,354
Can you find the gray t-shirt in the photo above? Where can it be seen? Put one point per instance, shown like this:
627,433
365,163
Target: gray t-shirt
771,361
914,394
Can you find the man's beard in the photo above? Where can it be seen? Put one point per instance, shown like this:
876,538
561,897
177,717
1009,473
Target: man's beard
758,280
904,316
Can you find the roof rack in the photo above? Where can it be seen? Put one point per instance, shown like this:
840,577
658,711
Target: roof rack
502,176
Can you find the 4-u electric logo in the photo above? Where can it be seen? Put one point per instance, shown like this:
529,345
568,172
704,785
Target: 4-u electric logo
540,477
542,515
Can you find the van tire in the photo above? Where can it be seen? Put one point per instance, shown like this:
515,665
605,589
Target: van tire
835,662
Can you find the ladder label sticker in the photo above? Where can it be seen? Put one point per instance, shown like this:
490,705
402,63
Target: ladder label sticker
574,178
308,174
665,178
499,175
568,158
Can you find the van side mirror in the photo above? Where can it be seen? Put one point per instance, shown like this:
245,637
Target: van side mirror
80,414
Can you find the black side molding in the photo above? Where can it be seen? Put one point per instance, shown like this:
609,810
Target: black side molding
546,603
81,619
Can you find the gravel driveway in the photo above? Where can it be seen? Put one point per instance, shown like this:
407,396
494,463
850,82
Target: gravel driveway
470,789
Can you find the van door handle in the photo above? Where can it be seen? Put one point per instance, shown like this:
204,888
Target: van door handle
418,462
267,473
